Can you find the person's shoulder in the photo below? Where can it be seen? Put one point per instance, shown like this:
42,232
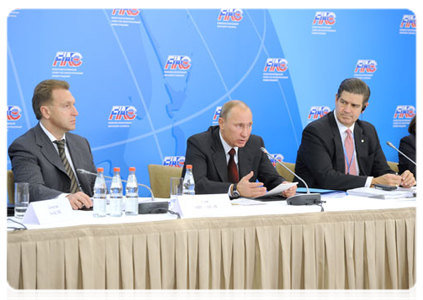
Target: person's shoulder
205,135
321,123
26,138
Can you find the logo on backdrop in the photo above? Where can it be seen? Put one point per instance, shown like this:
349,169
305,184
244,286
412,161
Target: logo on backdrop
66,64
276,157
174,161
177,66
323,22
216,115
316,112
14,113
365,68
408,25
403,115
229,18
122,116
275,69
124,17
12,12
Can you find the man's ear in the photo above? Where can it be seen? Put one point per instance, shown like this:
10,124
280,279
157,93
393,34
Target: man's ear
364,107
45,112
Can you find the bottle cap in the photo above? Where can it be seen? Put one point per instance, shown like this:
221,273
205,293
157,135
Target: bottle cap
131,169
189,166
100,170
116,169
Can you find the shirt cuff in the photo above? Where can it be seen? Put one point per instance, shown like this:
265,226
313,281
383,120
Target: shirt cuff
368,181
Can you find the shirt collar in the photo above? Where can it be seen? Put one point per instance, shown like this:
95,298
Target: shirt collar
342,128
50,136
226,147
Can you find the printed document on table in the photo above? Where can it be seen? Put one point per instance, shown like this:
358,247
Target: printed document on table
277,190
381,194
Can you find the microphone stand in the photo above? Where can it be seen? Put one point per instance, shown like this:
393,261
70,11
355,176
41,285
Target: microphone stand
393,147
308,198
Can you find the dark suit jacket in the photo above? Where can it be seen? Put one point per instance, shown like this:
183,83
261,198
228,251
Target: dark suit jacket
320,158
35,160
408,147
208,159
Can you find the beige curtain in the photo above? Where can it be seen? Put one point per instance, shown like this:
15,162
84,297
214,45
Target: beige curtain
330,250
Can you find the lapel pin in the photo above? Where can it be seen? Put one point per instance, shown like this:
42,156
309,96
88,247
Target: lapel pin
362,141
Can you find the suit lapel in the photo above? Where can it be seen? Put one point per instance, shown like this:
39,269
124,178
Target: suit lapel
219,157
47,148
360,146
245,164
337,140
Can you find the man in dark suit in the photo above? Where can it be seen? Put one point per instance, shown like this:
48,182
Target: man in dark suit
228,159
340,152
47,156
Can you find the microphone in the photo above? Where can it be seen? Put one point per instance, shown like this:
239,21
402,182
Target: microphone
82,171
392,146
307,199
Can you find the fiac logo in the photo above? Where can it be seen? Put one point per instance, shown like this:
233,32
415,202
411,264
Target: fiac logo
405,111
230,15
276,64
317,112
365,66
13,113
174,161
181,62
217,113
408,21
127,112
128,12
276,157
324,18
73,59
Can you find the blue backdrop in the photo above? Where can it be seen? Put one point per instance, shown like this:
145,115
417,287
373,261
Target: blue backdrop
146,80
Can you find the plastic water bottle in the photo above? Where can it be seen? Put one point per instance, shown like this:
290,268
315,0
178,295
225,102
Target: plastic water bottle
131,194
188,186
116,196
100,193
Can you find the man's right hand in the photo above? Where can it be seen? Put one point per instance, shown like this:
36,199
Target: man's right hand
250,189
387,179
80,199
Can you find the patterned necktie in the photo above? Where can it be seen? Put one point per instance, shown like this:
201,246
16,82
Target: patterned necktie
232,169
349,149
74,183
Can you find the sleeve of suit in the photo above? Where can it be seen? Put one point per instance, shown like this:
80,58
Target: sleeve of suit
26,169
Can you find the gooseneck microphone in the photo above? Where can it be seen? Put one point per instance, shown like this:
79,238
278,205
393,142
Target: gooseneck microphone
82,171
392,146
307,199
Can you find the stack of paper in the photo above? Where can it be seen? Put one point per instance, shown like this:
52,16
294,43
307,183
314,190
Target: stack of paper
381,194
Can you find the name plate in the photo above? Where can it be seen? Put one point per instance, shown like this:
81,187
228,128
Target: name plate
48,211
197,206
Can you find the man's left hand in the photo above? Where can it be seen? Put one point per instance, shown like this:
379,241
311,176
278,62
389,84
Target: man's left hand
289,192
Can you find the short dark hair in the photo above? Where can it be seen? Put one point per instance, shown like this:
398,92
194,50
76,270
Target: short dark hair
355,86
42,94
412,126
227,107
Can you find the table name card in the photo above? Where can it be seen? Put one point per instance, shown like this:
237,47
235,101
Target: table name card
48,211
196,206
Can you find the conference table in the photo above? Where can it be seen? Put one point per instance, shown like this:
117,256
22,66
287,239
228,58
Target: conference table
356,243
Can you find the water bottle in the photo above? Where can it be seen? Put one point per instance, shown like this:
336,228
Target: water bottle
100,193
188,186
131,194
116,196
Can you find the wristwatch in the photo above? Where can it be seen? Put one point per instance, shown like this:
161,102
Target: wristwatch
235,193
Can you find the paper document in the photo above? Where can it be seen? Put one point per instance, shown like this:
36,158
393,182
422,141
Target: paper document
277,190
381,194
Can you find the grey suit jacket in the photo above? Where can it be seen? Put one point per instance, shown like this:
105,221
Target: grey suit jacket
208,159
35,160
320,158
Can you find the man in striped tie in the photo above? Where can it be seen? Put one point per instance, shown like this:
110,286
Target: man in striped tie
341,152
48,155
